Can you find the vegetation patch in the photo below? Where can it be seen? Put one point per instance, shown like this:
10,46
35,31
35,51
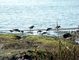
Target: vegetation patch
37,47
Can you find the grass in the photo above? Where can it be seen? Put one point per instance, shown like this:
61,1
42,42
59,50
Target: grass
48,40
11,40
10,52
41,44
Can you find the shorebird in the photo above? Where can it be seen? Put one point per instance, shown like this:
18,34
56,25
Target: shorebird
22,31
48,29
17,30
31,27
57,26
39,31
11,30
44,33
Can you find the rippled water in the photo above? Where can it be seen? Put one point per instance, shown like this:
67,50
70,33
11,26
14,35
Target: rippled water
42,16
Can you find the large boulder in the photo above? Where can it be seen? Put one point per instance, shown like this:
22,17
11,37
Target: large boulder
67,35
